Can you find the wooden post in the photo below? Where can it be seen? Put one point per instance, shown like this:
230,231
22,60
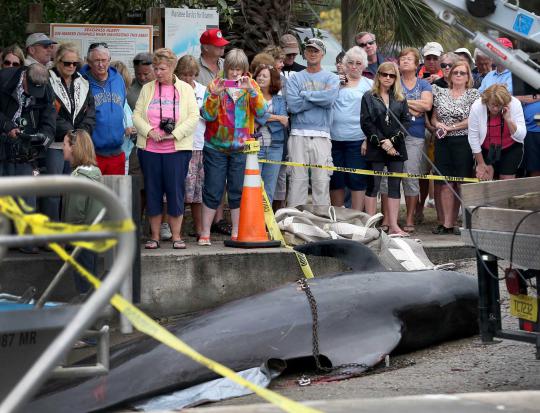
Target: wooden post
155,16
348,26
35,20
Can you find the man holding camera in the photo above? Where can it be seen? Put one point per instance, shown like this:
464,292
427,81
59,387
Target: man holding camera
27,119
109,91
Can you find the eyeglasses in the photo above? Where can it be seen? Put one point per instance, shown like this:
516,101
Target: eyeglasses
68,64
445,65
371,42
459,73
96,45
10,63
357,64
390,75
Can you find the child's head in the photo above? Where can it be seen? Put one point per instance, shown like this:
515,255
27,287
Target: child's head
79,149
123,71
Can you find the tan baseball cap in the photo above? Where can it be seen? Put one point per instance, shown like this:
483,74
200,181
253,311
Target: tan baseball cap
289,44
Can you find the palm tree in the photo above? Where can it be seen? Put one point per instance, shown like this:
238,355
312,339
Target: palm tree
396,23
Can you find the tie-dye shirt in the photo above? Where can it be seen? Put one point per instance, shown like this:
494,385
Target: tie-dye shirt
230,122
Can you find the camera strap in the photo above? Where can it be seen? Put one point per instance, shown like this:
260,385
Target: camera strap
501,125
174,103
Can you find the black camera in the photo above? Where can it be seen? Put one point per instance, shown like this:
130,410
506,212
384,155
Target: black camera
21,123
494,154
167,125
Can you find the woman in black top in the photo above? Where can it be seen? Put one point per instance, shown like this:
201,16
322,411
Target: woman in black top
75,109
383,109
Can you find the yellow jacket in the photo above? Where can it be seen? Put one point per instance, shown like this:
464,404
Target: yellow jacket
187,120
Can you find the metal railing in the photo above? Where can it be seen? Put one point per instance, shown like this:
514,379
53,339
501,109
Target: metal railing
90,311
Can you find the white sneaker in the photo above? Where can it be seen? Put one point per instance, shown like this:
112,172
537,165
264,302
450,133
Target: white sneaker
165,232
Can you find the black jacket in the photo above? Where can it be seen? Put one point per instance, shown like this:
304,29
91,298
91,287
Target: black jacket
83,115
40,115
378,124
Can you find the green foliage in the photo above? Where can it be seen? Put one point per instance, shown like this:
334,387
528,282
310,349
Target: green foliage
331,21
397,23
13,29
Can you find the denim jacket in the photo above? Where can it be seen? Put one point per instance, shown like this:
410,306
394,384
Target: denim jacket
277,130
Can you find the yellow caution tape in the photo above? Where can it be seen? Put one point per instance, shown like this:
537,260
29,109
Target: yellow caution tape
39,224
251,146
139,319
373,173
275,233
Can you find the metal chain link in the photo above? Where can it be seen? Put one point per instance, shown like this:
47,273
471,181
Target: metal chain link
303,284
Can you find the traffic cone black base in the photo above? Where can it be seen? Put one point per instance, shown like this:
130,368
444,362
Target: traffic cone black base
250,244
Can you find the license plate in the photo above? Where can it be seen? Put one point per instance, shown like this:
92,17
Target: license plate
524,306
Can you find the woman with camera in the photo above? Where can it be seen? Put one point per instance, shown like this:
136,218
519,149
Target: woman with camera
383,108
165,116
230,106
453,156
496,133
75,109
346,134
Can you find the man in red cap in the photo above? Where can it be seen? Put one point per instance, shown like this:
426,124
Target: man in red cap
501,75
212,49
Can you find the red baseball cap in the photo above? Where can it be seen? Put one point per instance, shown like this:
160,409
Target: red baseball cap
213,37
506,42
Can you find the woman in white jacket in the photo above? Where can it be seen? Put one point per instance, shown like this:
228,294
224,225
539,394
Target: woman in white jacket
496,133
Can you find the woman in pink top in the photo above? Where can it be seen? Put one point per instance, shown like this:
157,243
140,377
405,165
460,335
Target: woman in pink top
166,115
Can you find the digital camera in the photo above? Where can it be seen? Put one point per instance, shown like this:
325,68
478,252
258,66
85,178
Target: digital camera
167,125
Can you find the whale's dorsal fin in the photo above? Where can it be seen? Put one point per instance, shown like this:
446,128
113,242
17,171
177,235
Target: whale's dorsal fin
356,255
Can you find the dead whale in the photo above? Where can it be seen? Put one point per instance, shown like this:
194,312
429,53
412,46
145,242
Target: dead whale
363,316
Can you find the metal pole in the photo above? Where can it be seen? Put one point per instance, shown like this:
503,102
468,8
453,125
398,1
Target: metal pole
57,185
63,270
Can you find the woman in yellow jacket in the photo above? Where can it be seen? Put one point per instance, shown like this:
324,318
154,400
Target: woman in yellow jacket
166,115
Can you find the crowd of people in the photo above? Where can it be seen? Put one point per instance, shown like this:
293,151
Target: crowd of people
182,124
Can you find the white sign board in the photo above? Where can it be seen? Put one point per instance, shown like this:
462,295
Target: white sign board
183,29
123,41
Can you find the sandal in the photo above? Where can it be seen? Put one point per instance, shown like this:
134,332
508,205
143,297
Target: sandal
204,241
221,227
410,229
179,244
151,244
399,235
441,229
384,228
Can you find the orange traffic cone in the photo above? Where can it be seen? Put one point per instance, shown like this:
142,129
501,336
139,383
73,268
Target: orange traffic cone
251,228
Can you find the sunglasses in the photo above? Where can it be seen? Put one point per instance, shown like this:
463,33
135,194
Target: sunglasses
459,73
10,63
142,62
95,45
445,65
371,42
68,64
390,75
73,135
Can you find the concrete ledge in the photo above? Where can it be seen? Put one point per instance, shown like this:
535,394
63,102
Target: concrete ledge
514,402
202,277
183,281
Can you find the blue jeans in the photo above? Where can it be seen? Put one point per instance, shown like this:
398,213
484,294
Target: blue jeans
54,165
347,154
270,172
19,169
164,173
221,167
